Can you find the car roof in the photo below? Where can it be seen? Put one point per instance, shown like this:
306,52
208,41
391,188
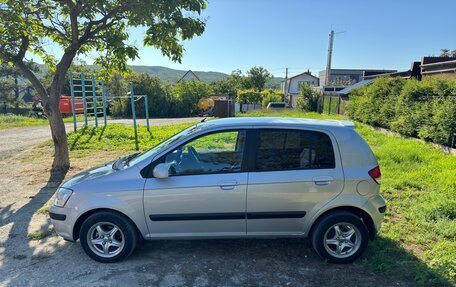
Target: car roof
275,121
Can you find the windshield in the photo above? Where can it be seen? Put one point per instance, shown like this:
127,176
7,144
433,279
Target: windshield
163,145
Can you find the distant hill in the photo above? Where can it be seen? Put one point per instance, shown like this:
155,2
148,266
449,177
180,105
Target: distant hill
173,75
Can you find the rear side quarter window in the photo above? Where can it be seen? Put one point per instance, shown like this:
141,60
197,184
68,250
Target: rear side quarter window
285,149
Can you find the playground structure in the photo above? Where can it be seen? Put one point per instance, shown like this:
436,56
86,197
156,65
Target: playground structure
88,97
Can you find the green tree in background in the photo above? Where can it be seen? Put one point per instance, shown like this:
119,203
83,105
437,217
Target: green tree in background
447,53
250,96
78,27
257,78
309,98
189,93
230,85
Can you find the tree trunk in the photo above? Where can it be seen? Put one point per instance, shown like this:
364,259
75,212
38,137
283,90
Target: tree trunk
51,101
61,156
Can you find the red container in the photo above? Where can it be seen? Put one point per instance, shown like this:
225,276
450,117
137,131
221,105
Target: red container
65,105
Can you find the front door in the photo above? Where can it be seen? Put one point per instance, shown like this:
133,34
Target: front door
206,191
293,171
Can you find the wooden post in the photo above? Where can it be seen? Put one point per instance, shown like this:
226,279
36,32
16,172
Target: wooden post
338,106
329,107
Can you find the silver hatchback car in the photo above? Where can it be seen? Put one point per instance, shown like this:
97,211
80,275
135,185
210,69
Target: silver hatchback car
231,178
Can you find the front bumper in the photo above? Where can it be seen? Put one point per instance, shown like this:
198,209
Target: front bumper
61,222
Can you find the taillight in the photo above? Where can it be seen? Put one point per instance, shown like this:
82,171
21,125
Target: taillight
376,174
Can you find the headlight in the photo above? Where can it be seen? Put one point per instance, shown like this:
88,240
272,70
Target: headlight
63,194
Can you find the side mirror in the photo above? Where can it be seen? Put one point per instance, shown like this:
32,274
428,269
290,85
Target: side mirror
161,170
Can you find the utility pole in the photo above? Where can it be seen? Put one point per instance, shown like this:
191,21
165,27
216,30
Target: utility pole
285,85
328,64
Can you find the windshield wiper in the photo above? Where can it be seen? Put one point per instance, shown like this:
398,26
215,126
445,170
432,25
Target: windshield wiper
130,157
124,161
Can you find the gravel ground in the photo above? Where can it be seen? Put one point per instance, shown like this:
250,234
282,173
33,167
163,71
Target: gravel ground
14,140
52,261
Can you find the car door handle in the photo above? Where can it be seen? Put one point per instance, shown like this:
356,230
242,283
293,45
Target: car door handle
228,185
322,180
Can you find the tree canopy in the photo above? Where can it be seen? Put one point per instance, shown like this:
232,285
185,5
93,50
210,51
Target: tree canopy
257,78
81,26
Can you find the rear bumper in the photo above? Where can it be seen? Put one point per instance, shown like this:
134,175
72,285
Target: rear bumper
376,207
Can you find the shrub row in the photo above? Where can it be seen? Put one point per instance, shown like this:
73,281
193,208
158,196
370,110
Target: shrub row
251,96
180,100
424,109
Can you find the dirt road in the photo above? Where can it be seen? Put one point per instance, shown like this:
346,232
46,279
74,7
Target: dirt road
14,140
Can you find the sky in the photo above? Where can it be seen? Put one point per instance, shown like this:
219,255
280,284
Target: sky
275,34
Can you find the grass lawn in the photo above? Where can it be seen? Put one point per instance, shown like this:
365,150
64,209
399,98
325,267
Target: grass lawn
417,242
13,121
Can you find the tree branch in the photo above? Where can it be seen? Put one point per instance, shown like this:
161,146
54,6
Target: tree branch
21,66
23,48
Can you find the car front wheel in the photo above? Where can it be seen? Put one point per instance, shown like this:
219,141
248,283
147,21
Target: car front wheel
108,237
340,237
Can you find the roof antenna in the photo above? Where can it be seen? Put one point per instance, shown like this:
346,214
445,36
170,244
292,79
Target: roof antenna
203,120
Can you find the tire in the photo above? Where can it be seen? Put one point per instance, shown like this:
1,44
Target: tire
344,243
102,242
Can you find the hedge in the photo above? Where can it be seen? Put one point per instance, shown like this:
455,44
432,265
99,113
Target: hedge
424,109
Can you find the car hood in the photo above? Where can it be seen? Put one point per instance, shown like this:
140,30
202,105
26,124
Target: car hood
90,174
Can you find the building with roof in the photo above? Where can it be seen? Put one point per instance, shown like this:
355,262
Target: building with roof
428,66
438,66
341,78
291,89
189,76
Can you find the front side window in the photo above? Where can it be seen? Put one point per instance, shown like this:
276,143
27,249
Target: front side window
293,149
219,152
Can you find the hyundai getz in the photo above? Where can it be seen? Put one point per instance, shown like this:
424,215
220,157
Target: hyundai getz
231,178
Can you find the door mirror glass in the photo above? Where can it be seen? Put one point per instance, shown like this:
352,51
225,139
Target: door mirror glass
161,170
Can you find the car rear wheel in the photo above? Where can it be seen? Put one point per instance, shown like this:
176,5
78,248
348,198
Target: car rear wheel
108,237
340,237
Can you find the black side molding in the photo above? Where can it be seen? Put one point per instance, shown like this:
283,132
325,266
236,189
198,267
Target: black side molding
56,216
227,216
275,214
197,216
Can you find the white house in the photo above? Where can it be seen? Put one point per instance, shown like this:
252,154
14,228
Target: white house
293,83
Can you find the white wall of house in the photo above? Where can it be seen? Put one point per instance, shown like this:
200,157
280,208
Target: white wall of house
294,83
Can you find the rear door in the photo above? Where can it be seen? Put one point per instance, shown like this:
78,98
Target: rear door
292,172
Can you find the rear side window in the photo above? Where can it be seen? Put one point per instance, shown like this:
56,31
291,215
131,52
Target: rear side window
293,149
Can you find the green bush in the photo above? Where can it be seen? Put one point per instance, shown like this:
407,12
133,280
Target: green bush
164,100
249,96
308,101
375,104
424,109
271,95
